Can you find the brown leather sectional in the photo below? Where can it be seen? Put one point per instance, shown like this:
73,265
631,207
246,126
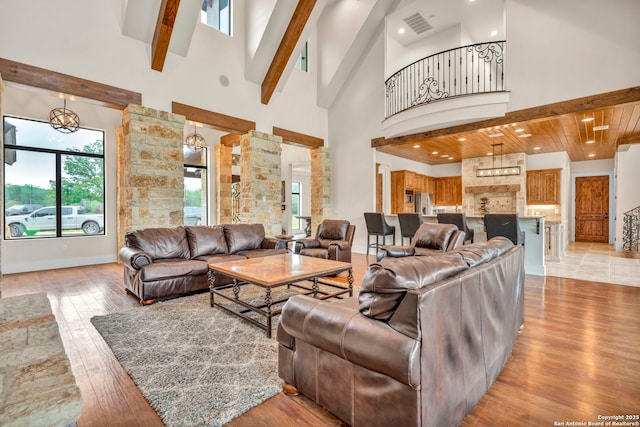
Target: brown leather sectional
420,346
163,263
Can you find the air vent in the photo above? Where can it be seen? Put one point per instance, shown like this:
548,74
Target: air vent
417,23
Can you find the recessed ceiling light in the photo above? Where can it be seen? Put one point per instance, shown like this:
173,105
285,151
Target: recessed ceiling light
462,139
590,142
401,30
603,127
489,154
416,146
435,152
493,135
494,33
524,135
536,148
592,155
444,155
450,158
519,130
587,119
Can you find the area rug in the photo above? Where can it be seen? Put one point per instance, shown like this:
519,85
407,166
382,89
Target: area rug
196,365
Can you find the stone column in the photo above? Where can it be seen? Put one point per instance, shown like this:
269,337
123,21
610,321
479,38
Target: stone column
2,223
150,170
320,186
223,159
260,181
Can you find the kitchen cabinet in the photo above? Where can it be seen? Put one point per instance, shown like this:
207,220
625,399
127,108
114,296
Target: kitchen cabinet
402,189
543,187
448,191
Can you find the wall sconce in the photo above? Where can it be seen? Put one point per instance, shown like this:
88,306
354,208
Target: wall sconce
63,120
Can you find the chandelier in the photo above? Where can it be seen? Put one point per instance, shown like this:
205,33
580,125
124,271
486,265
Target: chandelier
64,120
194,141
497,171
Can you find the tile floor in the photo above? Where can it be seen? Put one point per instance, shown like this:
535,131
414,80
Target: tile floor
597,262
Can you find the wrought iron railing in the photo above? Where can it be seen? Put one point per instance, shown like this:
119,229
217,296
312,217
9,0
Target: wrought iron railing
235,202
631,231
472,69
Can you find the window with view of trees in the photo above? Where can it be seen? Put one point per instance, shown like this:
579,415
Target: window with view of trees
195,187
295,206
54,182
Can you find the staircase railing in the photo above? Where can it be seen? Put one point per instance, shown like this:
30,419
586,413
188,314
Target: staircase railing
631,233
466,70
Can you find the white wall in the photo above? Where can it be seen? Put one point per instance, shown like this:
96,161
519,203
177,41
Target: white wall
628,190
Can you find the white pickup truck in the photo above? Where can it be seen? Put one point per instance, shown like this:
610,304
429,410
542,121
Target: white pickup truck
44,219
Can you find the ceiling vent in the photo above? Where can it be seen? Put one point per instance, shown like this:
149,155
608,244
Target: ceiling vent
417,23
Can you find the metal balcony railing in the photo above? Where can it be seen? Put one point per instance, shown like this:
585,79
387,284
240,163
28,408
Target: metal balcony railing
467,70
631,232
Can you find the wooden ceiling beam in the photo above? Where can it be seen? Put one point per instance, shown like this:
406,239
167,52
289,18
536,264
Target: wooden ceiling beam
298,139
216,120
41,78
285,49
623,96
162,35
230,139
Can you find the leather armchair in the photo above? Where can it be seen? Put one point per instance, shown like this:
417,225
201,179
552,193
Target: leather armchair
430,239
333,241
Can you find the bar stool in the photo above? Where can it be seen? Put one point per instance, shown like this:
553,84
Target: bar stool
409,224
460,221
377,226
506,225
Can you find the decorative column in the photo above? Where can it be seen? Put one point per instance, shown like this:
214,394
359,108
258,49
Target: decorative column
320,186
260,181
150,170
223,159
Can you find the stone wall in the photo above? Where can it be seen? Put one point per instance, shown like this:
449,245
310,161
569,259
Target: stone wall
499,202
150,170
320,186
260,181
223,159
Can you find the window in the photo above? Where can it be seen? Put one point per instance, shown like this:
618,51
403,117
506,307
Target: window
195,187
295,206
54,182
217,14
301,63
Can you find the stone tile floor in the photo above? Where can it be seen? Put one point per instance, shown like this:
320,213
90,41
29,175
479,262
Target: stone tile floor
597,262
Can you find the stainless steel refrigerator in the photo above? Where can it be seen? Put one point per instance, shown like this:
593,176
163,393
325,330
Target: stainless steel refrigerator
423,203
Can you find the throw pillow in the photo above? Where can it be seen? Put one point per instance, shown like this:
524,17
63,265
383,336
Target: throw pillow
204,240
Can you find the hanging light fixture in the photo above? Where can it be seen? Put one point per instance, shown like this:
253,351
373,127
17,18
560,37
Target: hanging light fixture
64,120
497,171
194,141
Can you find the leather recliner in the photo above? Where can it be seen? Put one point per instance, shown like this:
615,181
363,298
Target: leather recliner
430,239
333,241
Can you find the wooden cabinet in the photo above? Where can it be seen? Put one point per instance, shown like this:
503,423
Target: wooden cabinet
448,191
543,187
402,190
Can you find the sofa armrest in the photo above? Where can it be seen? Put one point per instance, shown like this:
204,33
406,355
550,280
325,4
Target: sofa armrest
305,243
340,329
272,243
134,258
340,250
395,251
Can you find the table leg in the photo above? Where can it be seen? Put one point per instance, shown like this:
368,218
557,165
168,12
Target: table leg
350,279
236,289
268,301
212,280
315,288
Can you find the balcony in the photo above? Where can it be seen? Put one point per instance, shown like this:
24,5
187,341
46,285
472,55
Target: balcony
453,87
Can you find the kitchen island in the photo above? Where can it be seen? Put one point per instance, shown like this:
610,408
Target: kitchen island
532,226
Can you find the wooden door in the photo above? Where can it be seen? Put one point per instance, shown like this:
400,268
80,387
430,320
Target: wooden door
592,209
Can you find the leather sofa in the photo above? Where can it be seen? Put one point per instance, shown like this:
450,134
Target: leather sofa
420,346
163,263
430,239
333,241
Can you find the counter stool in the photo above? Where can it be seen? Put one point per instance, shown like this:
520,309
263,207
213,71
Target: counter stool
377,226
506,225
409,224
460,221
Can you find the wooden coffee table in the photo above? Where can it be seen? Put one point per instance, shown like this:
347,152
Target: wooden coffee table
274,271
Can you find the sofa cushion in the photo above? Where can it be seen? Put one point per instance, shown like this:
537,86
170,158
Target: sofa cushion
170,268
333,229
479,253
160,243
433,236
258,253
242,237
385,283
204,240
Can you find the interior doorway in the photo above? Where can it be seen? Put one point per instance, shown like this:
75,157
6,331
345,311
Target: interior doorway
592,209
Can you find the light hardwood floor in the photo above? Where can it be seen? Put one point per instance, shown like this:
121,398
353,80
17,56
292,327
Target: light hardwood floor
576,358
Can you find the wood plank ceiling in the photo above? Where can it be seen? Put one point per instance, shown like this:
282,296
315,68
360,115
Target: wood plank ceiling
553,129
